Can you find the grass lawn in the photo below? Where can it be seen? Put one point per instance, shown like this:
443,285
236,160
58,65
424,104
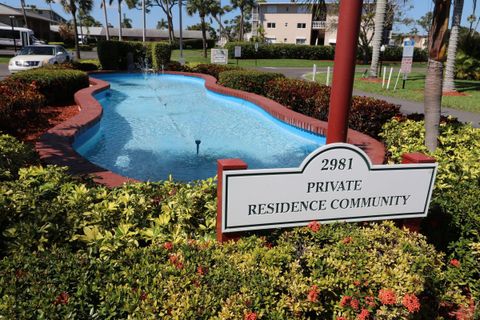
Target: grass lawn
4,59
414,90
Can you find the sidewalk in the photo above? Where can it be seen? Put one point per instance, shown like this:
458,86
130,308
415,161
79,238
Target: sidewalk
406,106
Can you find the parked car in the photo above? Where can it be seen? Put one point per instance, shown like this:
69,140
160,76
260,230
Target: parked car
36,56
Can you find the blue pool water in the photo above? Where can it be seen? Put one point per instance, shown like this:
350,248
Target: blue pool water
150,124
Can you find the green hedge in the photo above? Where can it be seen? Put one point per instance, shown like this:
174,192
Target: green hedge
70,248
281,51
161,54
113,54
194,44
13,156
247,80
58,85
213,69
454,221
292,51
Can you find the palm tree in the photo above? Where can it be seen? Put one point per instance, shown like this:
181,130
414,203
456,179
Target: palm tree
448,83
104,6
243,5
202,7
380,11
71,6
119,2
127,22
162,24
433,80
216,12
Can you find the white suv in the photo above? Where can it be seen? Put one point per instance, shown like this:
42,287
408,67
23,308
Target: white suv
36,56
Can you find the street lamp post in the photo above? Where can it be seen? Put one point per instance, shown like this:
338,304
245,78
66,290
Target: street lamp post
181,60
382,50
144,32
13,34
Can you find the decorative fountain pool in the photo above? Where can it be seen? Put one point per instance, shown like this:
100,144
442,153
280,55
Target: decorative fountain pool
156,125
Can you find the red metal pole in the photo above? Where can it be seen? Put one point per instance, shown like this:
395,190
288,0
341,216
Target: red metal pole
350,12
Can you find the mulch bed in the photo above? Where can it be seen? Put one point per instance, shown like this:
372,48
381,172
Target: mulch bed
30,128
454,94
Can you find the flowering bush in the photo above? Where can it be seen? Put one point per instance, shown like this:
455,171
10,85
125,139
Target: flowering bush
247,80
214,69
18,99
13,156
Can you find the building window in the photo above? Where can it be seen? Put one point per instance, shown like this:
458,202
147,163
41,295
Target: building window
271,25
302,9
284,39
272,9
301,25
286,24
301,41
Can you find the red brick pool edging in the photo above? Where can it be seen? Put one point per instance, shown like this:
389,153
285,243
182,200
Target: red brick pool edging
55,146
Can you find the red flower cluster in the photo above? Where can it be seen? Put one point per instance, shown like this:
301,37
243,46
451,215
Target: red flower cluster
411,302
347,240
355,304
201,271
251,316
364,314
314,226
455,263
387,296
370,301
168,246
345,301
62,298
175,260
313,294
143,296
341,318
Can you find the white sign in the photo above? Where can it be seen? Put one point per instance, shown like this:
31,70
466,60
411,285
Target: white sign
238,51
407,56
256,46
336,182
219,56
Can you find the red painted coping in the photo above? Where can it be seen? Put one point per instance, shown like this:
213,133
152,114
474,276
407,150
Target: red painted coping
55,146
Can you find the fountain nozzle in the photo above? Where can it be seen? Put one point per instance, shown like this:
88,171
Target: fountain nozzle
197,142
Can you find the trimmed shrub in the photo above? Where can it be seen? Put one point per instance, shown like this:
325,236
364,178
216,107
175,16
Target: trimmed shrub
18,98
281,51
467,67
113,54
57,85
13,156
367,115
247,80
194,44
293,51
340,270
300,96
214,69
161,53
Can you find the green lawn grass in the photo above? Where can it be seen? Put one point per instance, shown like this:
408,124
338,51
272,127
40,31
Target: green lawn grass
4,59
414,87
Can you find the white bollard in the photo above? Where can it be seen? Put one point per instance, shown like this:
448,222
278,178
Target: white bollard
389,78
328,77
384,74
314,72
396,82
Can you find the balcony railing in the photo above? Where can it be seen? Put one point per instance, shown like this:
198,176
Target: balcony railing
319,24
255,16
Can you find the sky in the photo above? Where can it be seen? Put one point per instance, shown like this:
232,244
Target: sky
420,7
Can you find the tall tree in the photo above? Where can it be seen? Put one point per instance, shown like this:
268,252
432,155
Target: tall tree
380,12
127,22
119,3
425,21
107,25
448,81
71,6
433,80
243,6
202,7
162,24
165,5
216,12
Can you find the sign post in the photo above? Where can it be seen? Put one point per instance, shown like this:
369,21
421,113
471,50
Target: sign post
219,56
238,52
407,59
336,182
256,51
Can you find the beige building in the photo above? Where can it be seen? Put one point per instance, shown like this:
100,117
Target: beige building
290,22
